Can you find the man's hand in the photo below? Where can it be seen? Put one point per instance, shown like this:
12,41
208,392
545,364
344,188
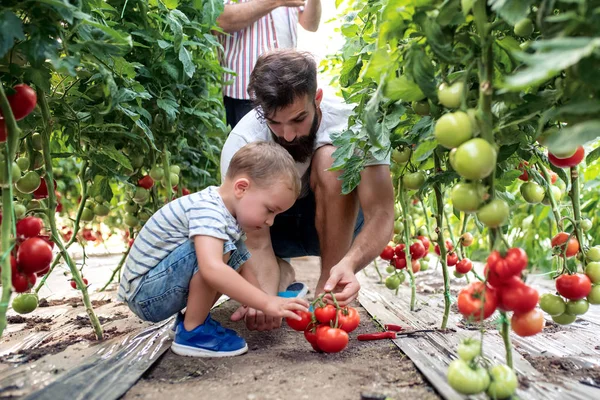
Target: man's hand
343,283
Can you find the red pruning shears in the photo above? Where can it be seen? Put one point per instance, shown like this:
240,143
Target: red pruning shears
391,332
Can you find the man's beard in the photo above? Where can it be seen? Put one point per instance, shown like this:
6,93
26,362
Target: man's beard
302,147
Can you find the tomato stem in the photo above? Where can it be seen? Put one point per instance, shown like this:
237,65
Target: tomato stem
550,195
56,238
167,168
574,194
116,270
506,338
8,220
413,289
440,239
377,269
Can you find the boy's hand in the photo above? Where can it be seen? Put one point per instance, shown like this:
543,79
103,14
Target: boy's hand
256,320
285,307
270,318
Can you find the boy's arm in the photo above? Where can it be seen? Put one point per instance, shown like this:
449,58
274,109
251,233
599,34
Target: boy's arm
225,280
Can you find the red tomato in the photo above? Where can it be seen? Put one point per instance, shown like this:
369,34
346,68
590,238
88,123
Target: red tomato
417,250
426,243
561,238
524,176
44,271
348,319
73,284
146,182
185,191
88,235
518,297
130,242
42,191
33,255
332,340
512,264
2,131
22,102
399,250
399,263
29,227
471,301
449,247
572,161
573,287
387,253
325,314
303,323
47,240
310,334
416,266
452,259
464,266
528,324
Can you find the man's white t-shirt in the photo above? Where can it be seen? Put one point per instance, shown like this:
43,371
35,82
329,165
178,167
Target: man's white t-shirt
251,128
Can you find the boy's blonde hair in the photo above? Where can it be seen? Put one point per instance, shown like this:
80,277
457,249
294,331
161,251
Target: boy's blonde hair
264,163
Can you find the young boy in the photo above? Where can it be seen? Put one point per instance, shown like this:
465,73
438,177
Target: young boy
191,250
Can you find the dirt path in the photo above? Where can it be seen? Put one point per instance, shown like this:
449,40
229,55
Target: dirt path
282,365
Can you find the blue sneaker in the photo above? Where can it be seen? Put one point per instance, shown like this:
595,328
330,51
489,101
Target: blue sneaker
208,340
296,289
180,317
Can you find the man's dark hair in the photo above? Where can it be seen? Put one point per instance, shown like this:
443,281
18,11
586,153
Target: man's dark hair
280,77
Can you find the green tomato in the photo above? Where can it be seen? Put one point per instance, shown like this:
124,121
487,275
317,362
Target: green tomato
87,215
468,349
58,171
34,205
36,142
25,303
453,129
592,270
398,227
101,210
494,214
89,203
586,225
504,382
556,193
23,163
474,159
130,220
424,265
577,307
37,160
157,173
593,254
532,192
174,180
421,107
28,182
15,173
594,296
131,207
467,380
401,155
390,269
466,197
175,169
552,304
564,319
392,282
413,180
524,27
458,274
99,199
397,211
141,195
137,161
450,95
20,210
144,216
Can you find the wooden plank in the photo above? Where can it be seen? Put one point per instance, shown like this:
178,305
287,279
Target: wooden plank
432,352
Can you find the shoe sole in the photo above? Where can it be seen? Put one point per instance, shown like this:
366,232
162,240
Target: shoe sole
189,351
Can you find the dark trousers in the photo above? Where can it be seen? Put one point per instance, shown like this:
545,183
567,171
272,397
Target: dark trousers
235,109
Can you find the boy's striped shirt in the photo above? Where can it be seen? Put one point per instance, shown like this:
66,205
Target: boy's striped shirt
200,213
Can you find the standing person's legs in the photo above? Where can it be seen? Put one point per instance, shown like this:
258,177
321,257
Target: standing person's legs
236,109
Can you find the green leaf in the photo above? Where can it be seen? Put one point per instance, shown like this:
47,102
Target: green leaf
571,137
115,155
440,43
171,4
12,29
593,156
351,174
186,59
420,67
101,186
466,6
512,11
552,56
378,65
402,89
169,106
450,14
507,178
424,150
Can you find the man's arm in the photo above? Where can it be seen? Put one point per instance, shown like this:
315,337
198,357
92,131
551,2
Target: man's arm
236,17
311,16
376,197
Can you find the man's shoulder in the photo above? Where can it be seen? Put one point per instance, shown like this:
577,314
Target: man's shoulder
251,128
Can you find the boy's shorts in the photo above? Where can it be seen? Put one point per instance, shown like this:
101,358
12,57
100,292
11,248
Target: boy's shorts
164,290
294,233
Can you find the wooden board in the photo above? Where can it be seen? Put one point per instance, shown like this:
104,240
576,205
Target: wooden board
432,352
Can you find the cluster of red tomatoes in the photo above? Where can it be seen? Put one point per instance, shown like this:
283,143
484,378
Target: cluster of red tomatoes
327,328
32,254
396,255
505,291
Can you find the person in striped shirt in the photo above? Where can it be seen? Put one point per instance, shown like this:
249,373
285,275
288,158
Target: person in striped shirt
346,231
191,250
252,28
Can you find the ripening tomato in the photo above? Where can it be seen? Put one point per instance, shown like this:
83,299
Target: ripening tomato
22,102
572,247
34,255
528,324
572,161
452,259
573,287
332,340
325,314
29,227
466,239
464,266
348,319
449,247
146,182
553,177
302,324
416,266
471,303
